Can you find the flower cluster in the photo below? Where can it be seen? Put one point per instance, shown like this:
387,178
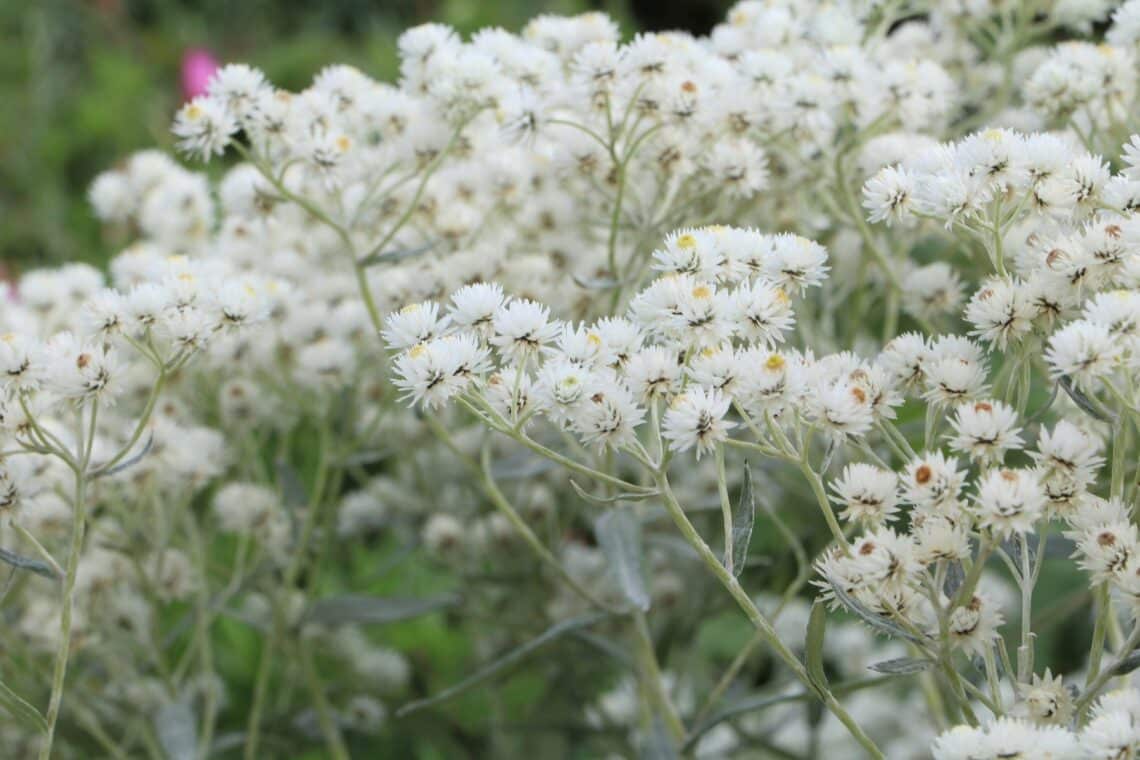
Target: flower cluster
833,313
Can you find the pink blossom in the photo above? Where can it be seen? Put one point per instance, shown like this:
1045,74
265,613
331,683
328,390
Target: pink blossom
198,67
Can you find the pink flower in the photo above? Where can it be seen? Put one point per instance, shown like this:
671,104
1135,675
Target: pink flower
198,67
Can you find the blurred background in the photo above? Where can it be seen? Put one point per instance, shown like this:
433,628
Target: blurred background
85,82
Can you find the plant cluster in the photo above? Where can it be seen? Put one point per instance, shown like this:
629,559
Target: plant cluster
830,318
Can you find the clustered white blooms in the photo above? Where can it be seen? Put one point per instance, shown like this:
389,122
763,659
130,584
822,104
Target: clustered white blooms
628,289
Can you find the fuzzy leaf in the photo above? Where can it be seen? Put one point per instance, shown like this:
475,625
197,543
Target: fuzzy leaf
955,577
1127,663
656,744
21,562
870,618
360,608
596,283
619,536
521,466
759,702
177,730
497,666
743,520
900,666
390,257
20,709
1084,402
611,500
126,463
813,648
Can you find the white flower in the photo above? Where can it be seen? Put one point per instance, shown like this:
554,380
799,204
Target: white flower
888,196
1111,735
932,482
204,127
955,370
796,263
1084,351
653,372
762,312
522,328
1001,311
415,323
694,252
1009,502
238,87
608,416
80,371
22,362
842,407
985,430
474,306
696,418
932,290
443,535
960,743
433,372
868,493
975,624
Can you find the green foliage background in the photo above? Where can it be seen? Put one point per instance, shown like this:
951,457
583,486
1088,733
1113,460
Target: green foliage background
85,82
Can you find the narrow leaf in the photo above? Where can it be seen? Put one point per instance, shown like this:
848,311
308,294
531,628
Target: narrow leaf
498,666
759,702
743,520
126,463
619,536
21,562
362,458
656,744
360,608
870,618
177,730
388,257
292,489
596,283
293,495
828,456
1084,402
610,500
20,709
955,577
901,666
518,467
1127,664
813,648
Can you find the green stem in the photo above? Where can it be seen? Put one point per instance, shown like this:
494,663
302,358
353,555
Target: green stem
726,509
78,528
728,580
643,646
325,717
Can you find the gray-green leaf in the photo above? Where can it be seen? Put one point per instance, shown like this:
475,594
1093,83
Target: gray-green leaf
177,730
391,257
656,744
813,650
743,520
619,536
1084,402
901,666
20,709
360,608
611,500
1127,664
596,283
870,618
21,562
498,666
